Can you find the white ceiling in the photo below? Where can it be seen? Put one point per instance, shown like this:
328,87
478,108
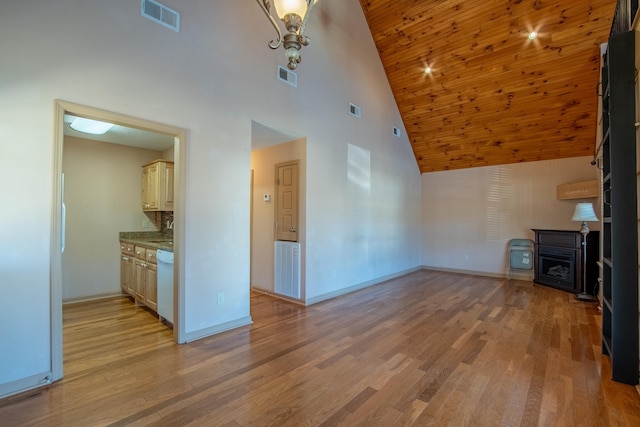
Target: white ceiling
261,136
124,136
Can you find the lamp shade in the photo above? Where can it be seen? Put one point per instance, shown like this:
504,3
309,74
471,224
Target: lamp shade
584,212
285,7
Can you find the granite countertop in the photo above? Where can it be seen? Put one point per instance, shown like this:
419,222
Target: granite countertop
152,239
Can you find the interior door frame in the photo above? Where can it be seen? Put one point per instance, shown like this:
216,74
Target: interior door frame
60,109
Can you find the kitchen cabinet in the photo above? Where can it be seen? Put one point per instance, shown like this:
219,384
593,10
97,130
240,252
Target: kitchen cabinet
139,274
151,281
157,186
127,263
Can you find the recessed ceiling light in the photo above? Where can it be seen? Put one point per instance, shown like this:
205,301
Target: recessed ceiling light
427,70
533,35
94,127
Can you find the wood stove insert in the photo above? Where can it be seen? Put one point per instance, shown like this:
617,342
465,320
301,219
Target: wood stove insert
558,260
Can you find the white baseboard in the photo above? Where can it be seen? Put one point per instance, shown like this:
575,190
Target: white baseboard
223,327
92,298
526,276
276,295
25,384
357,287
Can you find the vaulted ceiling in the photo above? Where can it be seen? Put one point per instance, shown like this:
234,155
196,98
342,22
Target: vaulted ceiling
493,95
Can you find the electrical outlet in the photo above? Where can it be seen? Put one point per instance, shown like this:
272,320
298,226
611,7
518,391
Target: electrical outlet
146,223
466,257
220,297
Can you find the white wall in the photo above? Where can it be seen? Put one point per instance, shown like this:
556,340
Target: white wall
354,240
475,212
103,187
212,78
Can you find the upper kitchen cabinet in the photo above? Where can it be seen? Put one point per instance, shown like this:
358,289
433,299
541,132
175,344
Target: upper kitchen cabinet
157,186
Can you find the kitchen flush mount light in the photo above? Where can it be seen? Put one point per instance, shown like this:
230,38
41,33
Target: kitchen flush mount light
94,127
294,15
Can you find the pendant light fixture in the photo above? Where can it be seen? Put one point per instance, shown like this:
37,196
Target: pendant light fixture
294,15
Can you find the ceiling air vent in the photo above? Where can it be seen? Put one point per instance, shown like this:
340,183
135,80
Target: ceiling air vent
355,111
161,14
397,132
287,76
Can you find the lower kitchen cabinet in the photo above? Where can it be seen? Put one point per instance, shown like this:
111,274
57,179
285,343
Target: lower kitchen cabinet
127,268
141,280
139,274
151,281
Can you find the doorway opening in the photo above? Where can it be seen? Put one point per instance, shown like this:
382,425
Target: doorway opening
274,153
99,208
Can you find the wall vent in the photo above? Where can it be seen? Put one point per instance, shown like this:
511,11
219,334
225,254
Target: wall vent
397,132
287,76
287,269
355,111
161,14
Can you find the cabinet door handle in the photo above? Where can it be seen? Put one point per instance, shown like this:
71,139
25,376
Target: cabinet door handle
292,229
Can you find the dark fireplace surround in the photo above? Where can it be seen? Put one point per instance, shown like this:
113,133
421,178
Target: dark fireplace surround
558,260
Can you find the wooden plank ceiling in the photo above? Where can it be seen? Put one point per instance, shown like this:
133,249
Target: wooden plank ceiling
493,96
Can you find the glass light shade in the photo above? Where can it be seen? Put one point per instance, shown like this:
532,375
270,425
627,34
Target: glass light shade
292,53
285,7
584,212
94,127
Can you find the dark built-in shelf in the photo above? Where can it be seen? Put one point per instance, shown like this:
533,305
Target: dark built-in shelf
620,222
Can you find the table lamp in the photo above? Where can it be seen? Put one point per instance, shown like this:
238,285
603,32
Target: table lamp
584,212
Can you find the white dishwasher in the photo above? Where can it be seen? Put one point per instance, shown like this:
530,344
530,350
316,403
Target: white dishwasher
165,284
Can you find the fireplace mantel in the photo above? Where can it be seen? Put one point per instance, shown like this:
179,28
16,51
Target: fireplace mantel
558,260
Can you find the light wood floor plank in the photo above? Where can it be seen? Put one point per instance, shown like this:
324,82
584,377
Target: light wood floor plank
428,348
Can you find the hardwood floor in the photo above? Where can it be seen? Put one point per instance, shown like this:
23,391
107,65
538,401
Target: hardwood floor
428,348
